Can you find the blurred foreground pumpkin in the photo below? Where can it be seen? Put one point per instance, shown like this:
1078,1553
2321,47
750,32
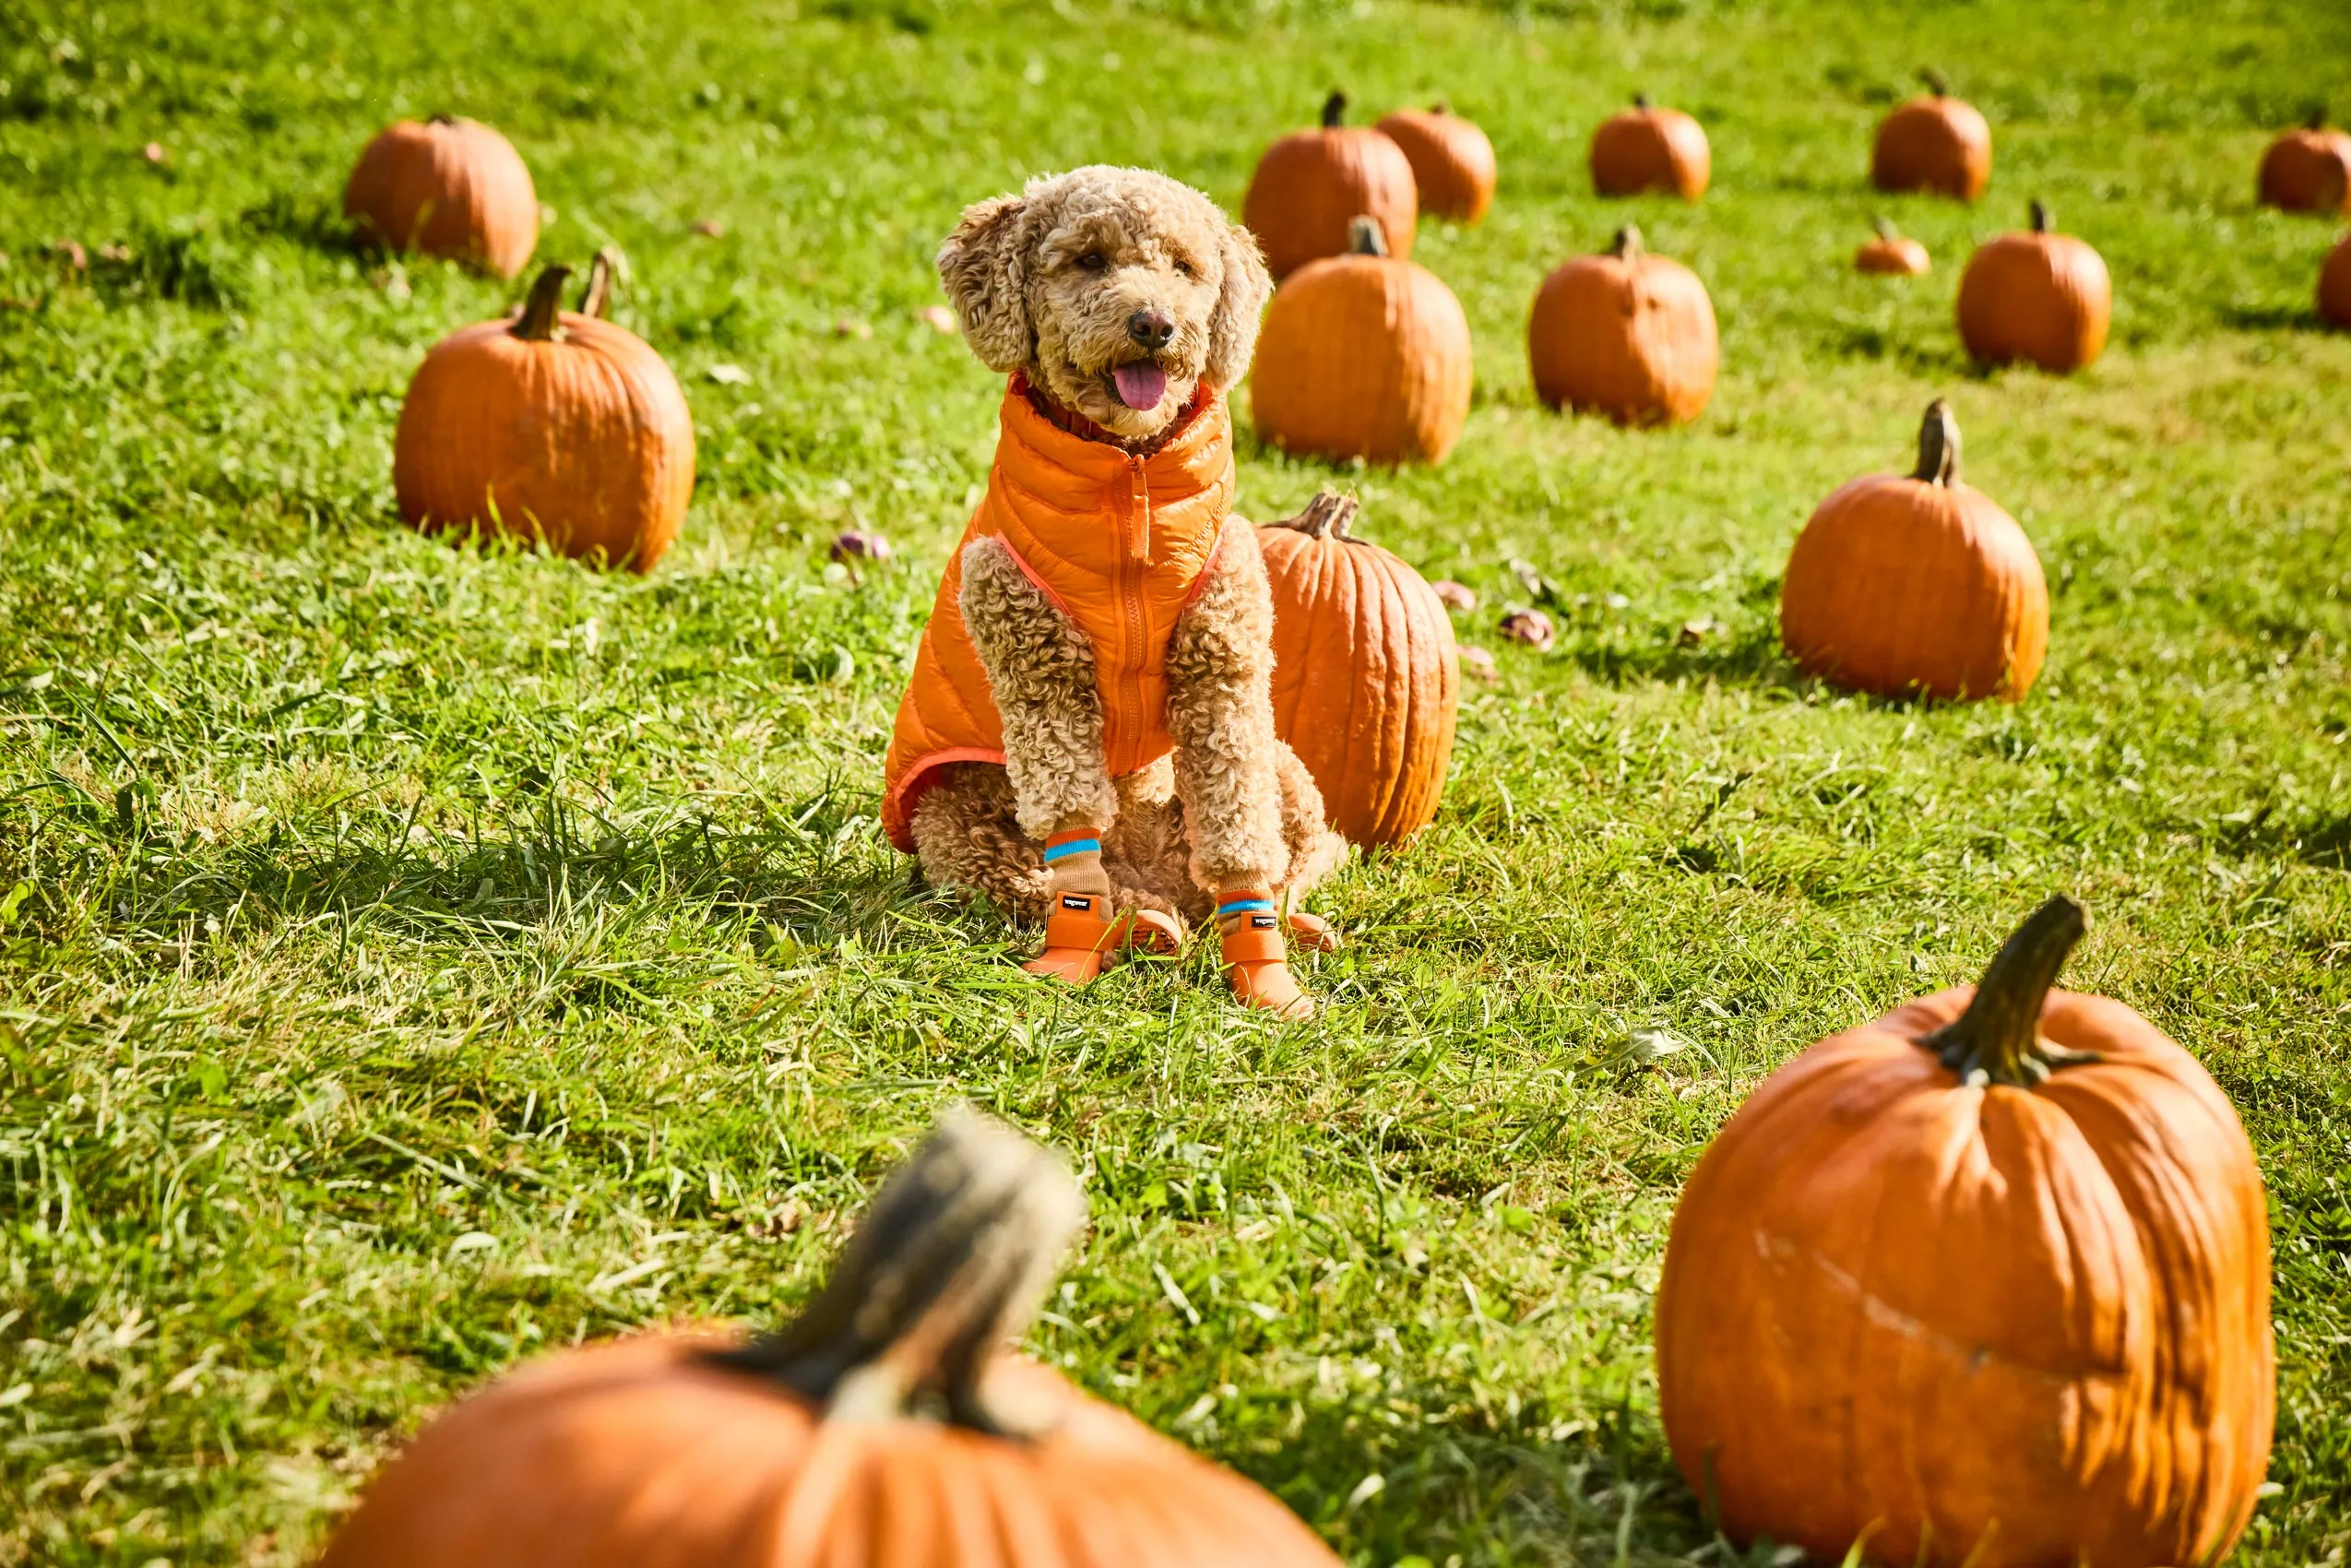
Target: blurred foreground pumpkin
1935,143
1312,186
1625,334
1362,356
447,187
2308,169
2040,296
1985,1281
1453,163
883,1429
1916,584
555,427
1648,148
1367,681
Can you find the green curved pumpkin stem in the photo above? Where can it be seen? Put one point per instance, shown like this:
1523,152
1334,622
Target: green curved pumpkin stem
1365,237
596,297
1938,85
1334,111
1328,516
951,1260
1998,1038
1627,246
1886,228
1938,447
537,324
2041,219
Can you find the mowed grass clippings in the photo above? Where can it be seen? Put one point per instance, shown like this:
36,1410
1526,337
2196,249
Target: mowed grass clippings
418,959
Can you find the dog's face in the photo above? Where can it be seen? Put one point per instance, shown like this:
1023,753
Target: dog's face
1116,290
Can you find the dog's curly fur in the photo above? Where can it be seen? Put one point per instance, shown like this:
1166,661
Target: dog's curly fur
1048,283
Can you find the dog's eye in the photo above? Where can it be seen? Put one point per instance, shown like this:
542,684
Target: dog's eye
1185,268
1093,261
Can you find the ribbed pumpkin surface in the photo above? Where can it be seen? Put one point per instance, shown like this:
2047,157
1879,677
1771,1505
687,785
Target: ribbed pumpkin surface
1934,144
1453,163
1311,185
1366,681
583,440
451,188
1362,356
2040,297
1940,1315
1644,148
1630,336
637,1454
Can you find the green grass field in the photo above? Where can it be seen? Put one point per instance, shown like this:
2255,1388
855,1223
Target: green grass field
413,959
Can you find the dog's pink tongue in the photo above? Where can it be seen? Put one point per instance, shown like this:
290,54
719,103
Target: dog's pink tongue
1141,386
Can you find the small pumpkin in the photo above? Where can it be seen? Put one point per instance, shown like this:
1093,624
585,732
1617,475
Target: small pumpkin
1987,1280
447,187
1891,253
2334,285
1312,186
1625,334
2041,296
1935,143
883,1429
1363,356
552,426
1367,679
2308,169
1916,584
1648,148
1453,163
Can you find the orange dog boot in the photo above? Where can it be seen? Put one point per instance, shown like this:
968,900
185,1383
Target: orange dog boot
1256,959
1147,930
1312,932
1077,936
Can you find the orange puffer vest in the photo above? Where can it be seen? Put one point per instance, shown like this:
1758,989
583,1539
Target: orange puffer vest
1120,542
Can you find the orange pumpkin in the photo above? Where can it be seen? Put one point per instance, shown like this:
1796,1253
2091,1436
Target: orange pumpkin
555,427
1916,584
2334,285
1891,253
1984,1281
1362,356
1936,143
881,1429
1453,163
1367,680
446,187
2308,169
1312,186
1648,148
1625,334
2042,297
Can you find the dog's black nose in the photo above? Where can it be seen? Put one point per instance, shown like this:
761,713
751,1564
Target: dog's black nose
1151,329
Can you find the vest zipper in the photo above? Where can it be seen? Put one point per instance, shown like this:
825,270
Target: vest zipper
1134,550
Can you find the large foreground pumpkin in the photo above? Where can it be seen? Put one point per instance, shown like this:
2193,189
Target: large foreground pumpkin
1936,143
2308,169
1366,676
881,1430
1918,583
555,427
2039,296
1625,334
1985,1281
1312,186
446,187
1362,356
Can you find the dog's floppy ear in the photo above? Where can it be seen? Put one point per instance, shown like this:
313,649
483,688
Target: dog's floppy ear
1232,331
982,263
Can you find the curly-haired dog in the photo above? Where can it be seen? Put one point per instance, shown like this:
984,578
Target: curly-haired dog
1088,732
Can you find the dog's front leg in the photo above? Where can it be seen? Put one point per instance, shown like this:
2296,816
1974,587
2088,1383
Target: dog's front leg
1040,669
1220,713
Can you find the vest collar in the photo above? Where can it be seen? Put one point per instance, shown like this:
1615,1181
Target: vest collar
1071,471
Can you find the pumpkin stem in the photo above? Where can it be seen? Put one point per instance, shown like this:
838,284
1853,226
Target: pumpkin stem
441,118
1886,228
1998,1038
1938,85
537,324
1334,111
2317,122
1365,237
1938,447
1643,101
1441,107
950,1261
598,296
1328,516
2040,216
1627,246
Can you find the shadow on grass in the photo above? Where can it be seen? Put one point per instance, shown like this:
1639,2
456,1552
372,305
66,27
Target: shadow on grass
2274,318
